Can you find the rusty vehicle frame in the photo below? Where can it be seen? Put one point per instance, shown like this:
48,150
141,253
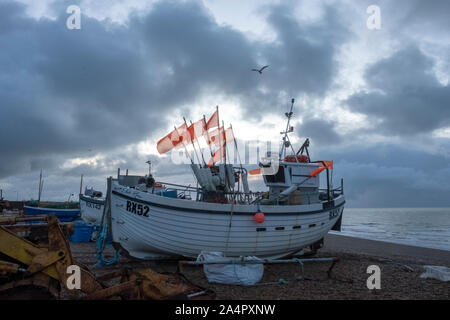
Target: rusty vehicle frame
43,265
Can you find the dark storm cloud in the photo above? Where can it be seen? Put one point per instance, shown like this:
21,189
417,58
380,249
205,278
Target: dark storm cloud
304,59
195,55
423,14
405,94
321,132
390,175
63,91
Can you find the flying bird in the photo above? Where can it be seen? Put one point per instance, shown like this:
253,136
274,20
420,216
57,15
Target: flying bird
260,70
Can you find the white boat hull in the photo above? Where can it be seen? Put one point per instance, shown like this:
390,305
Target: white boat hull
91,210
150,226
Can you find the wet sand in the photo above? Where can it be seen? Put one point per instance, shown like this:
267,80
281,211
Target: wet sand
401,267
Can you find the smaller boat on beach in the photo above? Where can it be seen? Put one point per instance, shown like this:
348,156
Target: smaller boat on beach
64,211
92,204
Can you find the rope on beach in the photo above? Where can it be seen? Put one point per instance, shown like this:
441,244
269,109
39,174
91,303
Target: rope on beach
101,244
104,232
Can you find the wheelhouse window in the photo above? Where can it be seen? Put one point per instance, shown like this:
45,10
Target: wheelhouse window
276,178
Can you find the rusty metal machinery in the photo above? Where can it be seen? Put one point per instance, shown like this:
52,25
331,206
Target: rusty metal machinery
142,284
43,269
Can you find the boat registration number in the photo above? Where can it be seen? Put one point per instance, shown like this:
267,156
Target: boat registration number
93,205
334,213
136,208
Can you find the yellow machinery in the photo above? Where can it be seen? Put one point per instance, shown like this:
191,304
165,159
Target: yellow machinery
34,270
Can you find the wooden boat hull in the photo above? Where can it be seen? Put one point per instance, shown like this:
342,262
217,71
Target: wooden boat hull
150,226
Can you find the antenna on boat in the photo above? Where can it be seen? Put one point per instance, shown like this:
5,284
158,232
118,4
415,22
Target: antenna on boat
149,168
286,142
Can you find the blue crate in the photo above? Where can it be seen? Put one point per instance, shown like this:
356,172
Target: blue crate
170,193
83,232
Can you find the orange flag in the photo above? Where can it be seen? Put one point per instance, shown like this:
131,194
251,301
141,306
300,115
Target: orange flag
229,135
173,139
217,156
213,122
217,136
220,136
196,129
328,165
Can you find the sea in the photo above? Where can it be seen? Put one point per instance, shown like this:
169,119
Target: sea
423,227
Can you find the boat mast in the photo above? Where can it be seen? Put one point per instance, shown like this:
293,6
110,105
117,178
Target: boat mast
81,184
41,185
149,168
286,142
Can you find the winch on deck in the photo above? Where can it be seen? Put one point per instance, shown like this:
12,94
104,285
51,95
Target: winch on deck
218,180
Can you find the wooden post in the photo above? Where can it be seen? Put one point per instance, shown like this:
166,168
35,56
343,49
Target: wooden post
40,186
81,185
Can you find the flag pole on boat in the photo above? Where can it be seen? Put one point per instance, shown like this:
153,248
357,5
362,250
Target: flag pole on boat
198,144
192,142
225,142
218,128
227,155
236,146
207,136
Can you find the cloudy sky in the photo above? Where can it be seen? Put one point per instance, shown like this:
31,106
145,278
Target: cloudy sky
87,101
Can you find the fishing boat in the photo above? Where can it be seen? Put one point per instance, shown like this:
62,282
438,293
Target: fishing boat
151,221
64,211
92,204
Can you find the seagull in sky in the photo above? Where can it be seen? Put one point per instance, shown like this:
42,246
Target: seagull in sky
260,70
